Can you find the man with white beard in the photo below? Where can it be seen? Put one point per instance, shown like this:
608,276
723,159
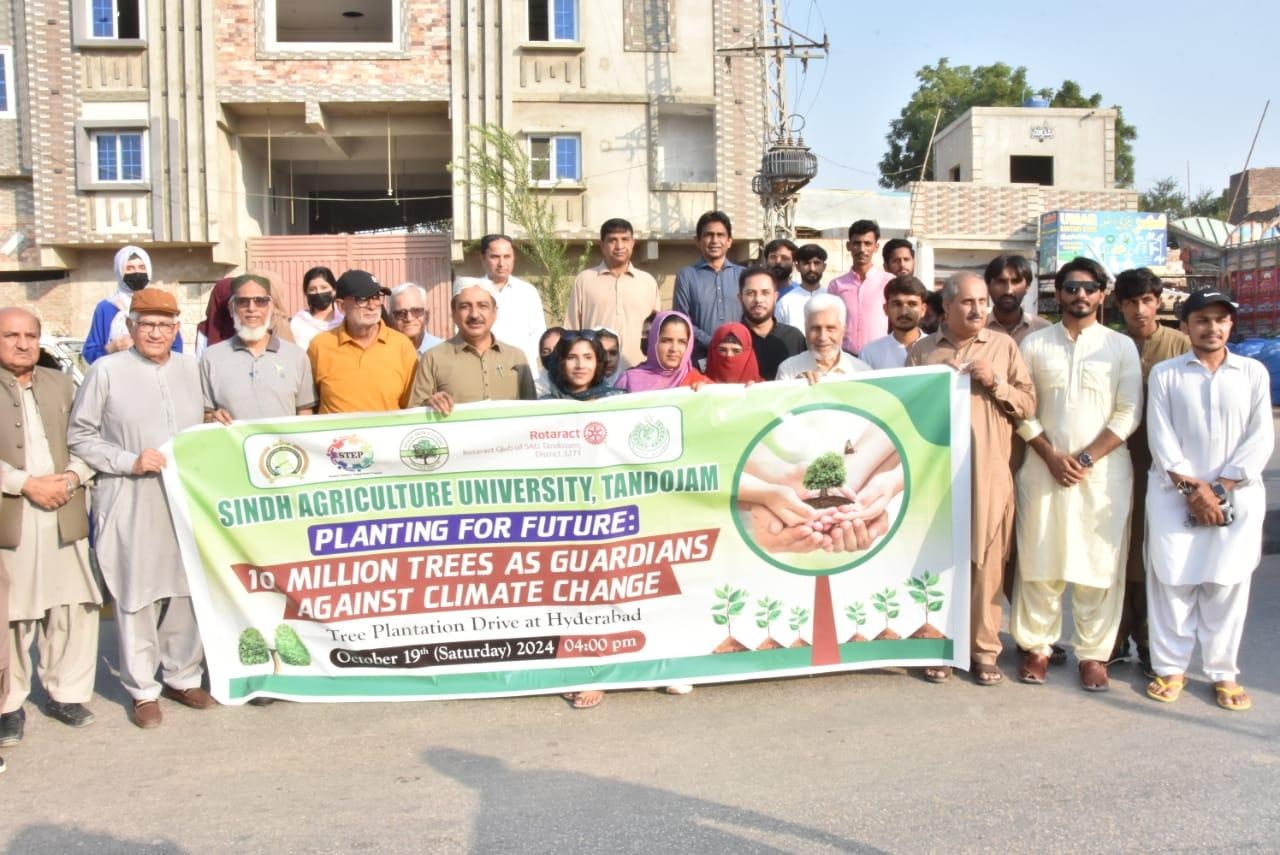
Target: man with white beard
255,375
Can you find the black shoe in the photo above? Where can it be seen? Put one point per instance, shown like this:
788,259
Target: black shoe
1058,656
1144,662
262,702
72,715
1119,654
11,726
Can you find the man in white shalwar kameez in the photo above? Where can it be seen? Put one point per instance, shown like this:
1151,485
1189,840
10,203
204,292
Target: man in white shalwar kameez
1210,428
1074,491
130,404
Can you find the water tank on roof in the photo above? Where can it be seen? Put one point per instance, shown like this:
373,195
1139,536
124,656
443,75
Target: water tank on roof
1036,101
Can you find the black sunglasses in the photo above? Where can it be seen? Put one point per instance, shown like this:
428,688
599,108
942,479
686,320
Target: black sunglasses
1074,288
574,335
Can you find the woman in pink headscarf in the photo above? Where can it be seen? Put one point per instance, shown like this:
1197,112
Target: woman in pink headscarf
668,363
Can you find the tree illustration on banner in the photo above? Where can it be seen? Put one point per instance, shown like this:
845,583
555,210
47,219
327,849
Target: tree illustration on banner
826,473
730,602
799,617
769,611
885,603
925,592
857,615
288,648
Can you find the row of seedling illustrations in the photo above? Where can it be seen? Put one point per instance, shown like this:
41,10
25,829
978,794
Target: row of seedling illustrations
768,612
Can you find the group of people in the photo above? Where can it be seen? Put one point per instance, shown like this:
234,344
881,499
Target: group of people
1071,511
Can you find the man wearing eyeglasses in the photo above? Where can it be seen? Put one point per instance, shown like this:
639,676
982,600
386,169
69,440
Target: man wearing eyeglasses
363,365
253,374
410,315
130,404
1074,492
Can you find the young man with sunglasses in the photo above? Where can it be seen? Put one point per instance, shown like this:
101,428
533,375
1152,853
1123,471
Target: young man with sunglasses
1075,487
254,374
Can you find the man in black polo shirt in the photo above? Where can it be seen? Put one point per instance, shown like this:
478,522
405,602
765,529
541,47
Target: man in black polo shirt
772,342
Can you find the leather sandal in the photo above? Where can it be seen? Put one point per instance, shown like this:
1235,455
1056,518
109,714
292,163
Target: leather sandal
1034,668
1093,676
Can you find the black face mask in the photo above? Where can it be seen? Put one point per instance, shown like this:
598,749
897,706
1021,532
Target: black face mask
320,300
135,281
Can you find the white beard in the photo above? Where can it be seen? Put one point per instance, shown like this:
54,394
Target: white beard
253,335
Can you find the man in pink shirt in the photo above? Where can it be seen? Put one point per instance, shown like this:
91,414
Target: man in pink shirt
862,289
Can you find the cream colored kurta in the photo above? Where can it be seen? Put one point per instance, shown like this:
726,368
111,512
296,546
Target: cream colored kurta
43,571
1207,425
126,404
1078,534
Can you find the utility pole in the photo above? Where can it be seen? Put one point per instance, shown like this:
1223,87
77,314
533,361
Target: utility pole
787,164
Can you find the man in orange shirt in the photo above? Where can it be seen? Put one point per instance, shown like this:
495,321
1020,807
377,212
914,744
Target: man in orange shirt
362,365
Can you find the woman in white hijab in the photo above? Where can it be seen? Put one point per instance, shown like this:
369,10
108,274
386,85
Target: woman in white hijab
107,332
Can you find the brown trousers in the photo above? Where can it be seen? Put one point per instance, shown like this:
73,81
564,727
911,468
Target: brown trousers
986,610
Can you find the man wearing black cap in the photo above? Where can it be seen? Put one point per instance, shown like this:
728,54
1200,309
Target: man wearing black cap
362,365
1209,423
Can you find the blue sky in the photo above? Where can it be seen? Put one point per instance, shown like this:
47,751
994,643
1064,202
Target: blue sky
1165,64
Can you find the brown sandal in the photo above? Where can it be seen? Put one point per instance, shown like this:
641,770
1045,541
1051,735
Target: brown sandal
987,675
1093,676
1034,668
938,674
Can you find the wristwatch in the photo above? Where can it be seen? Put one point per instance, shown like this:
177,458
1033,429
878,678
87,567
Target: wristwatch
1186,488
1085,459
1219,491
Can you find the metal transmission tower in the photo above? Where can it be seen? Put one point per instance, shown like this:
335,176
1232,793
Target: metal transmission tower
787,164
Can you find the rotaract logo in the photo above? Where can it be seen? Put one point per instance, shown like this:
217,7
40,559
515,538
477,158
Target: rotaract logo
595,433
649,438
351,453
424,450
282,460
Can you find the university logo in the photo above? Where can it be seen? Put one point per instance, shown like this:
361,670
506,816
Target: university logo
649,438
351,453
282,460
424,450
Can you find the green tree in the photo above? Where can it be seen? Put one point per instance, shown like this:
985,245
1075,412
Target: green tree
730,602
1167,197
825,473
924,591
497,166
886,603
289,648
954,89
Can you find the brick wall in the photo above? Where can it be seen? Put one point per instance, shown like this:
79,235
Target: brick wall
1259,196
1001,211
740,116
244,74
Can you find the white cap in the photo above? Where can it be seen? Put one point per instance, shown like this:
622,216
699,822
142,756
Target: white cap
463,282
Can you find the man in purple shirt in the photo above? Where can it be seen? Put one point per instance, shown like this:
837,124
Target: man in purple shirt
862,289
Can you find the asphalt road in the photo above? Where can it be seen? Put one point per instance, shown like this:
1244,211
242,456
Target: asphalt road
872,761
862,762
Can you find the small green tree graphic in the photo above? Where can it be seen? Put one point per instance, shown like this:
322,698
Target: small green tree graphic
885,603
730,603
924,591
825,473
798,618
288,649
769,610
425,452
857,615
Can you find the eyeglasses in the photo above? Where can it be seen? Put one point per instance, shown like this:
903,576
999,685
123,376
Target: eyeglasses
1074,288
261,302
406,314
148,327
368,301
